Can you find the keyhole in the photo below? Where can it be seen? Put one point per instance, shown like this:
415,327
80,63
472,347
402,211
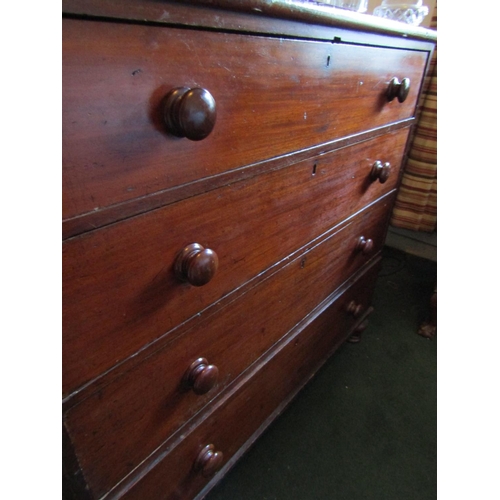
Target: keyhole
314,169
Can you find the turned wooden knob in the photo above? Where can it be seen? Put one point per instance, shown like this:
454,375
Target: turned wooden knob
356,334
354,309
189,112
398,89
208,461
380,171
200,376
364,245
196,265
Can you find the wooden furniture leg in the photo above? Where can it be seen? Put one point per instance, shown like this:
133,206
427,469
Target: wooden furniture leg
428,329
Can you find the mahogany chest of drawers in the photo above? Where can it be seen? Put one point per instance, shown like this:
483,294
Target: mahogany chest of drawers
228,173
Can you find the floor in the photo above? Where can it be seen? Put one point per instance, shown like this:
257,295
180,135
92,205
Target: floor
365,426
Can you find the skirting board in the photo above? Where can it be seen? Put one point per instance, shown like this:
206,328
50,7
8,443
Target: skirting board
413,242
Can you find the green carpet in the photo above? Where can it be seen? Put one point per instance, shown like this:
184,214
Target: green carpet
365,426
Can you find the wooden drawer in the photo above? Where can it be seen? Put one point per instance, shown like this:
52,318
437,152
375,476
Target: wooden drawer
138,410
119,289
273,96
239,418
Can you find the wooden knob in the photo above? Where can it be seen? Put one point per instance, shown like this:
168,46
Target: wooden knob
208,461
354,309
364,245
380,171
196,265
189,112
200,376
356,334
398,89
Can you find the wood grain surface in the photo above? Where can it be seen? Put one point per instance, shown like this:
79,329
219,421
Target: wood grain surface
119,288
235,421
280,17
220,240
282,96
140,409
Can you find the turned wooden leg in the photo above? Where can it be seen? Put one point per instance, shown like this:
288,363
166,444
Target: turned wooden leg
356,334
428,329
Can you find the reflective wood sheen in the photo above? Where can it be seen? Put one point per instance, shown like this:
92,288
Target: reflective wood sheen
365,245
251,225
229,170
308,347
201,377
115,77
196,265
190,113
277,17
208,461
381,171
398,89
232,338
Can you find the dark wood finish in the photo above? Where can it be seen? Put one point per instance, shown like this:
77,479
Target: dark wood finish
381,171
208,461
196,265
134,259
365,245
228,339
115,77
190,113
200,376
282,373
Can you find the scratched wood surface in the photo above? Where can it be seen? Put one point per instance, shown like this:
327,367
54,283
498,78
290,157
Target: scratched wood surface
119,289
281,96
280,190
279,17
144,406
236,421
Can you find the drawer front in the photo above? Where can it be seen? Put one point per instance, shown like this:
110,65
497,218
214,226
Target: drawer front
120,292
240,416
273,96
139,410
